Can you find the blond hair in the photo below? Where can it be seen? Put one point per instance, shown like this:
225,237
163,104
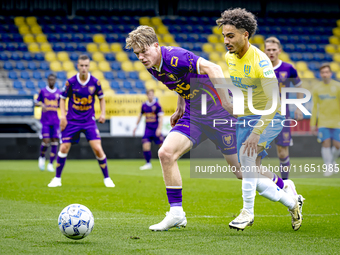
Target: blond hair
273,39
142,36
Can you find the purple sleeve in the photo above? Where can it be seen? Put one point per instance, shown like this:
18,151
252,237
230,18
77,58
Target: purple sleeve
66,91
159,109
294,76
99,90
184,61
40,97
142,110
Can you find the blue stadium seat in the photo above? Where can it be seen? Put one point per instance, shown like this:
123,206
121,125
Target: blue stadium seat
300,47
15,56
295,56
307,57
61,76
70,47
121,75
81,48
53,38
1,47
4,56
22,47
27,56
30,85
192,38
20,66
22,92
11,47
289,47
61,29
12,75
181,38
17,85
110,57
37,75
109,75
115,65
324,39
87,38
197,47
293,39
107,29
131,91
65,38
139,85
133,57
32,66
6,38
76,38
41,84
203,38
44,65
283,39
314,65
47,73
39,57
304,39
58,47
25,75
328,57
319,57
134,75
8,66
74,56
34,92
311,48
119,91
127,85
115,85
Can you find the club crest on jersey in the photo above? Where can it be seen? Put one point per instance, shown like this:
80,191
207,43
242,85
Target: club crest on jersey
174,61
263,63
286,136
92,89
283,76
247,69
172,76
227,140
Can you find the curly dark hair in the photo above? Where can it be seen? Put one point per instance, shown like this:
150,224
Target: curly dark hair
240,18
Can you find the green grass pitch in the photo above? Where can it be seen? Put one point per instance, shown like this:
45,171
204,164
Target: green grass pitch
29,212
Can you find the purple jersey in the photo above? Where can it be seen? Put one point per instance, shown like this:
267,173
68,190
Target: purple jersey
151,110
177,67
50,98
287,77
81,98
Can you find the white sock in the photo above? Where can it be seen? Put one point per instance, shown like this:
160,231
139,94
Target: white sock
287,200
327,156
176,210
335,154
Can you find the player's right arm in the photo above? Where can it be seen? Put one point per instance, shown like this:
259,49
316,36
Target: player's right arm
138,120
312,122
40,101
63,121
179,111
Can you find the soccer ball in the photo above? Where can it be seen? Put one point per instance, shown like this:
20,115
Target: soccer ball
76,221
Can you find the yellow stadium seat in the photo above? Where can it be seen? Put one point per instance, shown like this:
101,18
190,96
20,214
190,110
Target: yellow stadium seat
71,74
156,21
162,30
91,47
159,93
338,22
104,83
160,38
258,39
45,47
50,56
150,84
207,47
31,21
36,29
24,30
220,47
144,21
68,66
55,66
336,57
121,56
99,38
18,21
308,74
104,66
28,38
330,48
217,30
144,75
214,57
33,47
138,66
62,56
98,56
127,66
104,47
41,38
334,40
167,38
109,93
93,66
284,56
334,66
116,47
301,66
338,75
98,74
336,31
213,39
221,38
174,44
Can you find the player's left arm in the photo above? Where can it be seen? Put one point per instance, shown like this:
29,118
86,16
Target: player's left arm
160,114
102,108
216,76
297,84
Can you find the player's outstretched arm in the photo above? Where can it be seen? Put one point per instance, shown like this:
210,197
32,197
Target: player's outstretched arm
102,109
217,77
63,121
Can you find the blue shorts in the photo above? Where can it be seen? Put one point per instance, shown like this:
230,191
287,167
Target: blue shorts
243,130
328,133
284,139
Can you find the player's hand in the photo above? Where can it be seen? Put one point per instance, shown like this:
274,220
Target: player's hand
158,132
251,144
43,108
63,123
314,130
298,114
229,108
101,118
134,131
175,117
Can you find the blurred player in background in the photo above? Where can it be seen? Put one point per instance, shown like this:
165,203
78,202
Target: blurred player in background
153,126
81,90
48,99
287,77
326,110
250,67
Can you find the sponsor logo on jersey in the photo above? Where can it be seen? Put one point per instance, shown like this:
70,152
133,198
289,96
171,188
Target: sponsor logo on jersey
264,63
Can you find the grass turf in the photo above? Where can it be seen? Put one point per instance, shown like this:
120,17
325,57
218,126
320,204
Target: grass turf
29,212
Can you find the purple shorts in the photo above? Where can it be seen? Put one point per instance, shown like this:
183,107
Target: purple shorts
150,135
284,139
50,131
198,129
71,134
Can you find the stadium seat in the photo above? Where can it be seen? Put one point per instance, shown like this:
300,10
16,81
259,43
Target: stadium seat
19,21
133,57
307,57
144,75
41,38
93,66
8,66
32,66
127,66
301,66
70,47
336,57
17,85
12,75
81,48
22,92
314,65
37,75
39,57
98,56
30,85
23,30
127,85
110,57
336,31
116,47
121,56
104,66
139,85
138,66
57,47
98,74
45,47
68,65
104,47
65,38
50,56
24,75
207,47
55,66
335,67
31,21
214,57
20,66
330,48
74,56
119,91
99,38
133,75
220,47
41,84
115,85
109,75
91,47
27,56
62,56
71,74
121,75
33,47
61,76
44,66
28,38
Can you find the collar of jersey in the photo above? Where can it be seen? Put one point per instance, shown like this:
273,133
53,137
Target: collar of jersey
88,79
278,65
151,103
160,66
51,90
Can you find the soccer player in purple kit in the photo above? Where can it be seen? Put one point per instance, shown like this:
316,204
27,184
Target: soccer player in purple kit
81,90
153,126
287,77
48,99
